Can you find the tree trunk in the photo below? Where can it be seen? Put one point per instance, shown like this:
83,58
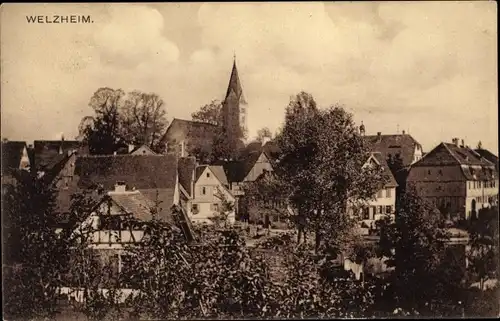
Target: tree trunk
317,241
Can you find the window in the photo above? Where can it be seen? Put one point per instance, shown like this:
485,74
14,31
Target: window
194,209
440,173
380,209
429,172
366,213
379,194
388,209
214,207
208,174
388,192
203,190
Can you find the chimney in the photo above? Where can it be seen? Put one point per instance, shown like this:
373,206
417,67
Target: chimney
379,136
5,140
404,132
455,141
183,149
463,144
130,148
120,187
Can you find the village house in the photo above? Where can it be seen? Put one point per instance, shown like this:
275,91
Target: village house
384,202
15,157
203,188
456,179
395,146
188,138
140,150
400,151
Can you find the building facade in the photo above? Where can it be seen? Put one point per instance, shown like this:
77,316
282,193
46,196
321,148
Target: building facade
456,180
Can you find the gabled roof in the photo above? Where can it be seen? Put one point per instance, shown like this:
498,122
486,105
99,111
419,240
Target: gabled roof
12,152
191,127
451,154
236,171
488,155
390,180
473,165
134,203
402,144
219,173
270,148
144,146
217,170
234,86
48,153
141,172
187,166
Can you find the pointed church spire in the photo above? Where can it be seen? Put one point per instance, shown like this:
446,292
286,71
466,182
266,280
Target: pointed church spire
235,84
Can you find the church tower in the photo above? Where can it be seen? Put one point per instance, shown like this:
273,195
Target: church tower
234,110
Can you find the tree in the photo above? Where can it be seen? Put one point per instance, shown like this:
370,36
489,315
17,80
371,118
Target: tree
483,245
104,134
120,119
210,113
322,163
415,246
144,121
224,211
264,133
36,255
267,195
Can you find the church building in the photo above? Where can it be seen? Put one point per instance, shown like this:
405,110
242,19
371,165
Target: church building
191,138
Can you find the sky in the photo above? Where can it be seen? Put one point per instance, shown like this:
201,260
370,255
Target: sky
429,68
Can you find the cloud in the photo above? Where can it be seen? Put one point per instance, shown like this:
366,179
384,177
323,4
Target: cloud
134,36
416,65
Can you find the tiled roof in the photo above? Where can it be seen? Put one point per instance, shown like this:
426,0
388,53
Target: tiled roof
391,181
47,152
488,155
187,165
236,171
219,173
451,154
141,172
199,171
403,144
473,166
191,128
12,152
134,203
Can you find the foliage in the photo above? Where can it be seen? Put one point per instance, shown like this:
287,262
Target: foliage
267,195
104,135
415,246
322,164
36,256
143,118
264,133
210,113
483,245
225,210
120,119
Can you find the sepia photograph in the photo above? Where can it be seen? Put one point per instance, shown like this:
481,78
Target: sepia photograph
249,160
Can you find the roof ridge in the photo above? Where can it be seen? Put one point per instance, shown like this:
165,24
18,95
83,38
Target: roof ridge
127,155
451,153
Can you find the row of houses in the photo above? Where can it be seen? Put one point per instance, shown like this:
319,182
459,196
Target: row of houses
458,180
